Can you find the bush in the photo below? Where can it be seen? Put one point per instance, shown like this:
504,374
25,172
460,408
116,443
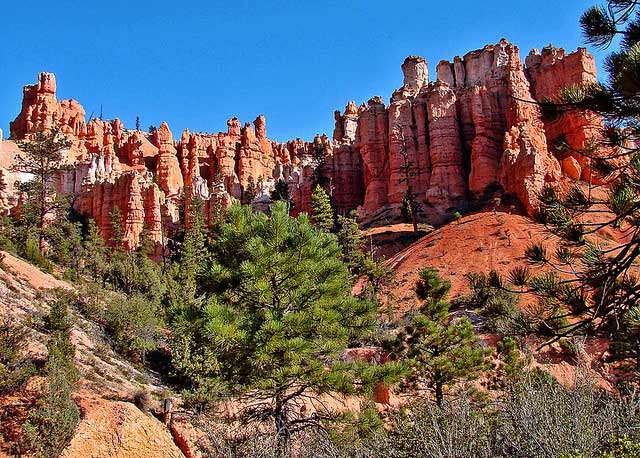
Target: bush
58,323
570,346
92,302
536,417
498,305
133,321
621,447
457,430
142,400
15,367
135,273
9,234
544,419
33,254
51,424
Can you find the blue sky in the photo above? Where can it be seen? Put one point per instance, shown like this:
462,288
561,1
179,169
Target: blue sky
195,64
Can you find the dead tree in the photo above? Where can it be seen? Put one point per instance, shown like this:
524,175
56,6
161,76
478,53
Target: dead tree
407,170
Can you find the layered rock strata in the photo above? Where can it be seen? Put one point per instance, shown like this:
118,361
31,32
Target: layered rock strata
475,129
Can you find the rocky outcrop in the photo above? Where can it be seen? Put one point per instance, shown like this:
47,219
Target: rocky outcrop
445,140
167,166
549,72
526,165
372,142
119,429
41,110
473,130
447,182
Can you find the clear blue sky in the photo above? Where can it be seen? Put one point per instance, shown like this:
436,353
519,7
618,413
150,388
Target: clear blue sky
195,64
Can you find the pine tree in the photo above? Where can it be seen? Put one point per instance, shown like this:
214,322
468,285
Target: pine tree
193,251
137,122
116,224
358,254
277,314
65,239
318,162
283,193
58,323
51,424
510,365
441,351
16,366
43,158
249,192
351,242
321,211
134,323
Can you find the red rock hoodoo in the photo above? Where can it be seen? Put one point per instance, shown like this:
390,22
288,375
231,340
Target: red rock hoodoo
473,129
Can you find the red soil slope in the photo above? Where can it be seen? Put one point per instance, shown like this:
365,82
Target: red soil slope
477,242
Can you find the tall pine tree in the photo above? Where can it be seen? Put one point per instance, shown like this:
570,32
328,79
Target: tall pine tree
321,211
592,284
43,158
278,313
441,350
193,250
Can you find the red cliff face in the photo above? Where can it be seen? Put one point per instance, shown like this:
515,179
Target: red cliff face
41,110
549,72
447,141
471,130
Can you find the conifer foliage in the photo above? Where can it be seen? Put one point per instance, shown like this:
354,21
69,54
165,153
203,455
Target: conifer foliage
441,350
321,210
42,157
277,314
52,422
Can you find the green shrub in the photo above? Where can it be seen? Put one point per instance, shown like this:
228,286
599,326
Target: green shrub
59,324
536,418
51,424
33,254
621,446
133,321
570,346
498,305
92,301
15,367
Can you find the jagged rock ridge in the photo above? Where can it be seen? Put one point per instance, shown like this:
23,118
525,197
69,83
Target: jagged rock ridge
474,128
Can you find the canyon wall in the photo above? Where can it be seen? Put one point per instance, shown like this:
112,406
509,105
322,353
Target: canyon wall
473,130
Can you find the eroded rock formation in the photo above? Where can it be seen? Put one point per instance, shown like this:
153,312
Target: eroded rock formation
474,129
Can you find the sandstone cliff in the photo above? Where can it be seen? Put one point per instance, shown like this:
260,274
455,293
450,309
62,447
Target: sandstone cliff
473,130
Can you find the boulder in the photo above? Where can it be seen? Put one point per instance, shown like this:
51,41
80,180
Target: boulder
116,429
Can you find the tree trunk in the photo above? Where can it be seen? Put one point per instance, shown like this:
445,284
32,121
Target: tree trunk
282,430
413,214
439,394
42,216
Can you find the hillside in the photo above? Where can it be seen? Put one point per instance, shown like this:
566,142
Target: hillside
111,425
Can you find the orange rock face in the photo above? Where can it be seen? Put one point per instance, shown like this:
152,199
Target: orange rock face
453,134
41,110
474,129
119,429
549,72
